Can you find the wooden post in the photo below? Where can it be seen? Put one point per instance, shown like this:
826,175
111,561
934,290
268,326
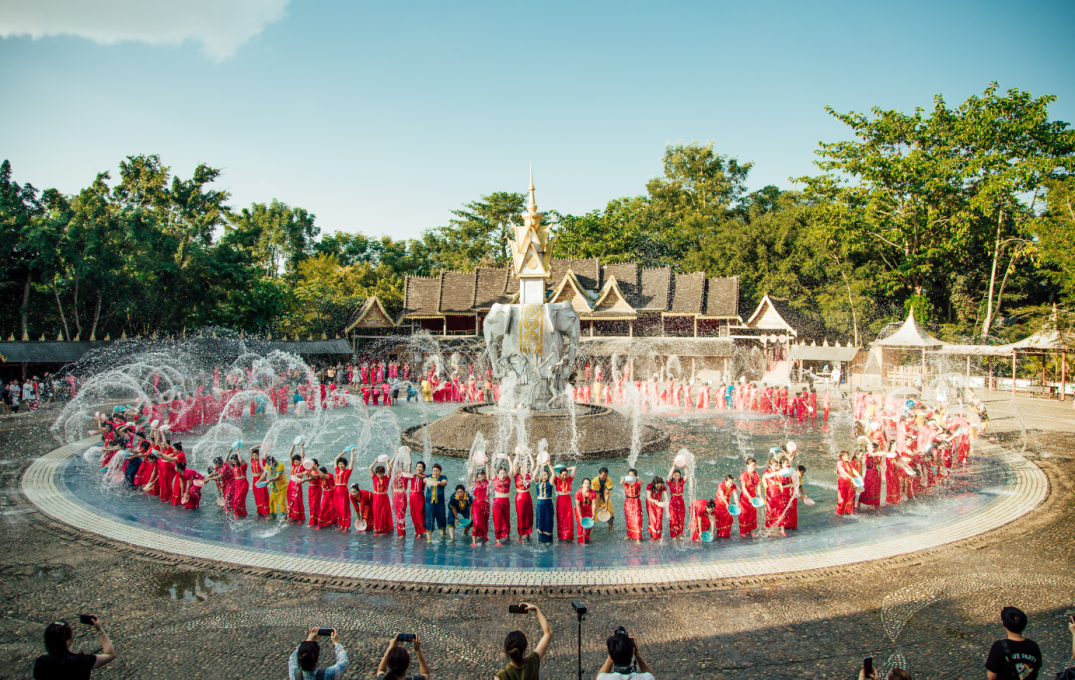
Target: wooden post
591,328
1013,372
923,369
1063,376
445,331
630,328
989,386
696,327
1043,371
662,325
477,324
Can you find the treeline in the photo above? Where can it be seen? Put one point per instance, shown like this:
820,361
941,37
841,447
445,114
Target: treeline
966,214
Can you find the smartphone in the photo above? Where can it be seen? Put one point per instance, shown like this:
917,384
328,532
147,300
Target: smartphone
325,632
516,608
88,619
867,666
406,637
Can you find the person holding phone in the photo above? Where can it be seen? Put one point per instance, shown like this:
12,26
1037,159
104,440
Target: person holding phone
302,664
522,666
396,660
61,662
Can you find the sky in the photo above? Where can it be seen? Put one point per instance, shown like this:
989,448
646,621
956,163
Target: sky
383,117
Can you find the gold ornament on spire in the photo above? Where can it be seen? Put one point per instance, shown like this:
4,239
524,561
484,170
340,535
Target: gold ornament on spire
533,244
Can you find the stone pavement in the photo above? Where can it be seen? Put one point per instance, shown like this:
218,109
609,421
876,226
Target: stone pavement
934,611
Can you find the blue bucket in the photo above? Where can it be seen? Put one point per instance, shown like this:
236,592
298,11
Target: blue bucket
707,536
587,522
462,521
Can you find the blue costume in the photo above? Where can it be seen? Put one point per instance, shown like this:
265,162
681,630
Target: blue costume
546,513
435,504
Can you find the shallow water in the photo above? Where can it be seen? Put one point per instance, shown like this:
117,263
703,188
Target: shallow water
719,440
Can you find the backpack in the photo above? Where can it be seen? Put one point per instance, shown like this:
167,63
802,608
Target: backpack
319,674
1068,674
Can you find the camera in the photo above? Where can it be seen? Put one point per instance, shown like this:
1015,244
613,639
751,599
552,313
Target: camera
405,637
580,608
516,608
620,631
88,619
325,632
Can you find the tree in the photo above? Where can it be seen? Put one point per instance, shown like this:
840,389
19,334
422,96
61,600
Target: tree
19,208
1056,234
278,236
479,233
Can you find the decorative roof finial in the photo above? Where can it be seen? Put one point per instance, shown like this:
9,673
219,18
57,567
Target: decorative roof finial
533,201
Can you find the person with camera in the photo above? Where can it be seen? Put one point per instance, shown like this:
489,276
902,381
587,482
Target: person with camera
302,664
61,663
523,666
894,674
623,662
396,660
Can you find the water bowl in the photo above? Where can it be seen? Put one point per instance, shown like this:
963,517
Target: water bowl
360,525
757,502
785,472
296,479
198,483
681,460
349,449
706,536
298,440
543,458
308,464
792,447
587,522
603,515
261,485
857,482
734,510
480,458
462,521
809,501
237,444
630,479
154,424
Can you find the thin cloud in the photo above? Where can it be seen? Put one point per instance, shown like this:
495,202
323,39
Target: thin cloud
221,26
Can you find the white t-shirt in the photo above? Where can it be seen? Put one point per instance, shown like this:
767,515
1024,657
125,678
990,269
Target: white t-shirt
632,676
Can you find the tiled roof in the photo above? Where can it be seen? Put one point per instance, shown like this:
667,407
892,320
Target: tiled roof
656,284
491,288
457,292
588,273
688,294
421,296
370,315
722,297
626,274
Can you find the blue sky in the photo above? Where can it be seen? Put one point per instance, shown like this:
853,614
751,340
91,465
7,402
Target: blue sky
382,117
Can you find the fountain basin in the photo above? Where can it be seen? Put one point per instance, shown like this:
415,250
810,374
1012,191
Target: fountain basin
603,432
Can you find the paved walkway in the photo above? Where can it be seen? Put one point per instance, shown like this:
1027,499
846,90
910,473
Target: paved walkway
934,611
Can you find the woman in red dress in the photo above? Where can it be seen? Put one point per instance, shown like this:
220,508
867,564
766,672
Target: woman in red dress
845,489
314,493
565,514
773,483
479,511
502,506
524,504
585,506
341,476
257,471
677,509
726,493
239,485
416,497
791,495
326,515
632,505
871,478
174,456
296,509
362,501
893,480
656,502
150,486
702,516
382,506
748,489
191,494
399,497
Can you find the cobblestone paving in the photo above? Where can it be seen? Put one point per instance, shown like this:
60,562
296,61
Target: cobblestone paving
933,611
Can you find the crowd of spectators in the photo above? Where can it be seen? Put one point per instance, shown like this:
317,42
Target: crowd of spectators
1013,657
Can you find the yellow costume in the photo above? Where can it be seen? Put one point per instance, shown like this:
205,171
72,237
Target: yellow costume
427,391
277,491
602,504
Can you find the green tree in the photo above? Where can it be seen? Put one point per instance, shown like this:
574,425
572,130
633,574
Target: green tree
22,253
478,235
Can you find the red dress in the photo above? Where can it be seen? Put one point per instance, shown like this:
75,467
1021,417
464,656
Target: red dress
261,496
748,514
239,486
655,512
565,515
524,505
327,516
774,498
399,504
194,493
340,477
845,490
632,510
723,518
677,509
700,519
417,500
501,508
584,502
382,507
315,496
363,506
791,507
177,494
479,512
893,482
164,478
296,511
871,483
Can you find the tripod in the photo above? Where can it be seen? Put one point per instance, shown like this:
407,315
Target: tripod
580,610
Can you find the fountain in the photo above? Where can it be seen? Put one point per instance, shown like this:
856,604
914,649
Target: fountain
532,347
